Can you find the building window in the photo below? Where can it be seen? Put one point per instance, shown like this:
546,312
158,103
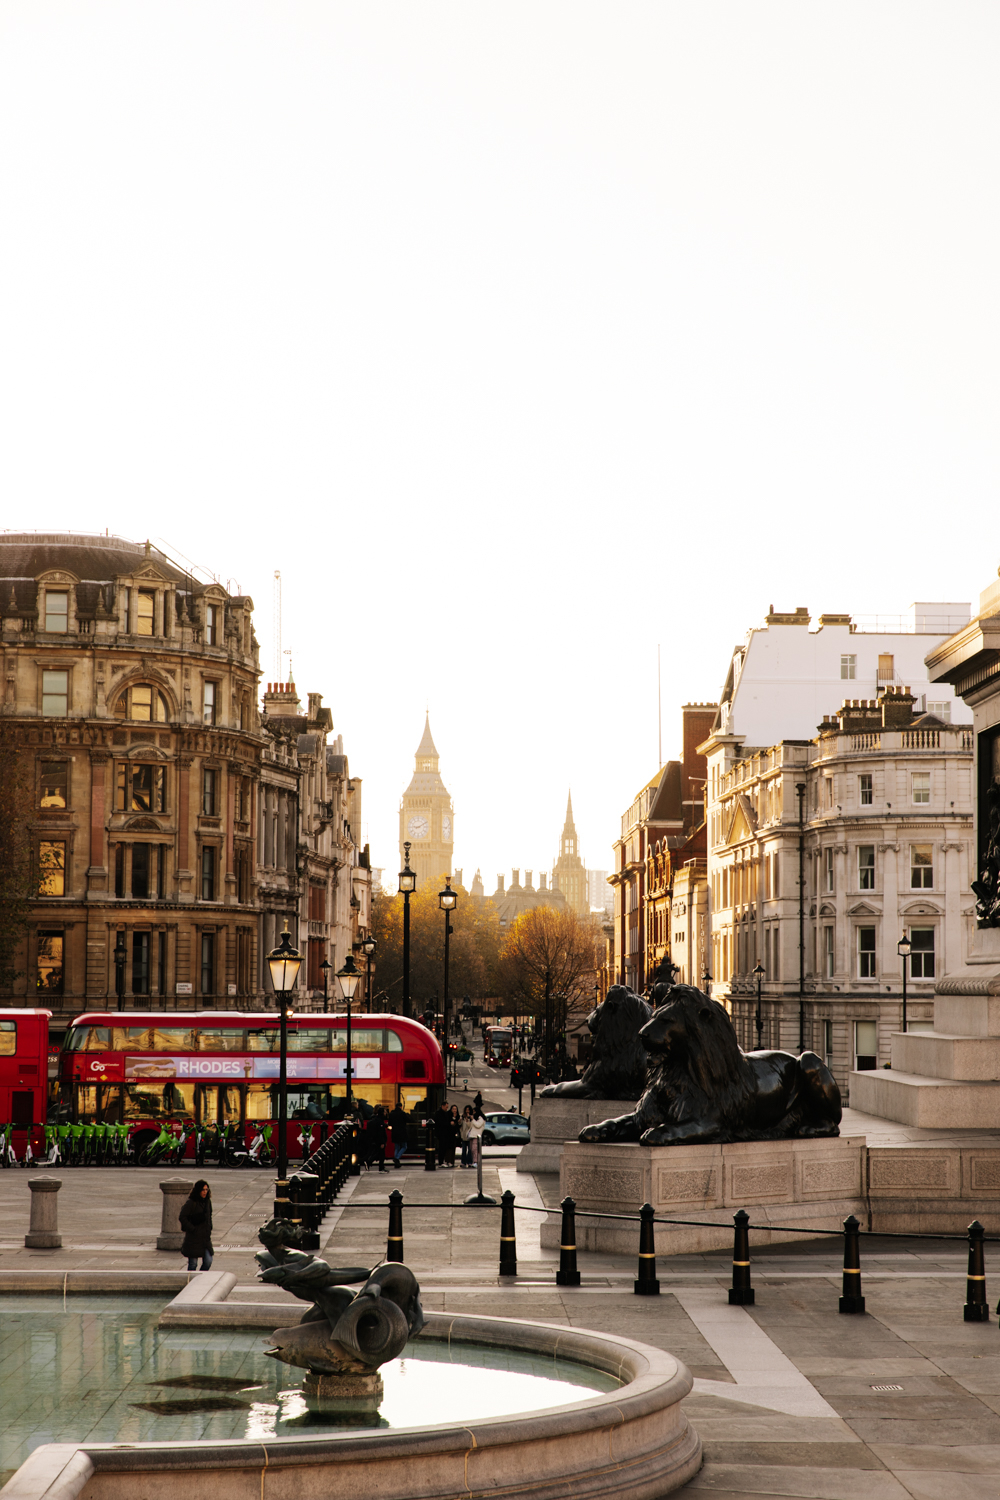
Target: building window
208,779
51,868
140,787
866,867
866,953
119,869
142,703
208,867
828,1044
55,695
56,611
886,669
848,667
242,874
161,962
140,872
828,791
317,903
922,953
208,703
920,786
828,869
140,961
211,624
50,963
828,952
865,1045
54,784
208,963
866,790
316,952
940,711
921,867
775,955
145,616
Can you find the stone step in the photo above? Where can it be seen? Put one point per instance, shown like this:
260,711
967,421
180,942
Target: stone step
936,1054
935,1103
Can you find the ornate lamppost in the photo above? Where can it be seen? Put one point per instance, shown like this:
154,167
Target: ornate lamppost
368,946
758,974
903,948
706,981
326,966
349,977
407,885
447,900
284,963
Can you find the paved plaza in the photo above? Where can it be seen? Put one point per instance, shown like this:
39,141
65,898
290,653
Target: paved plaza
791,1398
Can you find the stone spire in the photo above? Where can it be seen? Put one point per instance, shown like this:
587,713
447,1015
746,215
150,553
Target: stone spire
427,745
569,838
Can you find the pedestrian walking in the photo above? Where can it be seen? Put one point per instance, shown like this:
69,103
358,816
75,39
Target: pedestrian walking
196,1222
477,1103
455,1128
444,1131
399,1124
464,1133
376,1138
476,1127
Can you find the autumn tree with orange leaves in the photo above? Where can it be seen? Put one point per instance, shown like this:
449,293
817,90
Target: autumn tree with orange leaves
548,967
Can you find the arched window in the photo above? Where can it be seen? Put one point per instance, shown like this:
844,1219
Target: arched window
143,703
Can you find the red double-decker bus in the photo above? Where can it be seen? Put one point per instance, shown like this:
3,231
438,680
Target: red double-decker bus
24,1058
221,1067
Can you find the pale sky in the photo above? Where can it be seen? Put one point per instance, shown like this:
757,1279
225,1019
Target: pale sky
519,336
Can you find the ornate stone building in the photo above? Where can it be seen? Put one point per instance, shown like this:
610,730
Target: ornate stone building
426,816
165,817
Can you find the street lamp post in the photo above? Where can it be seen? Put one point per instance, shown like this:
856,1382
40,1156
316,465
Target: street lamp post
407,885
326,966
284,963
368,946
349,978
903,949
120,956
758,974
447,900
706,980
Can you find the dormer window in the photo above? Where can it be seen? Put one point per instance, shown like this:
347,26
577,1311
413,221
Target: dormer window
145,612
56,611
142,703
211,624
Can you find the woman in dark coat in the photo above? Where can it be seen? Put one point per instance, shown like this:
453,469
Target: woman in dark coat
196,1222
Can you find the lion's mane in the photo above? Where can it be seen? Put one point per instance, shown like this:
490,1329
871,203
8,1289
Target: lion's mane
695,1063
618,1067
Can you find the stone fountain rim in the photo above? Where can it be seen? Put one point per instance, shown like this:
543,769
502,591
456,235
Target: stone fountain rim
654,1382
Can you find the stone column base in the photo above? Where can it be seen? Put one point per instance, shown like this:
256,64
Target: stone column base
330,1394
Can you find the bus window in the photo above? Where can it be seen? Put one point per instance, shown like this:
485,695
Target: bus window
412,1099
394,1043
219,1102
306,1104
158,1101
301,1040
259,1102
267,1040
221,1039
363,1039
88,1039
8,1038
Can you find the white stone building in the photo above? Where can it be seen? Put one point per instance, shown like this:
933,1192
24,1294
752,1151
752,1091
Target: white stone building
874,815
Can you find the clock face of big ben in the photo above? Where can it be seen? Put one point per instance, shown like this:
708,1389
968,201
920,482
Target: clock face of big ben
418,827
446,827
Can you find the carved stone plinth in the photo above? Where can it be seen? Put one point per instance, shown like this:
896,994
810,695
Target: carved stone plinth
556,1121
330,1394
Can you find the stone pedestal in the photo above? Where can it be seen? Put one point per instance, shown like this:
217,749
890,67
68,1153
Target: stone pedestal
798,1186
948,1078
43,1229
174,1191
333,1394
555,1121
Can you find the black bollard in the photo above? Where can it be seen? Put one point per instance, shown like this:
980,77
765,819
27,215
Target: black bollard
508,1239
852,1300
430,1149
394,1246
741,1292
646,1284
976,1307
567,1274
282,1205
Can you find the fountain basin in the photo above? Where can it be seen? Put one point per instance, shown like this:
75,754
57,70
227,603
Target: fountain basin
632,1442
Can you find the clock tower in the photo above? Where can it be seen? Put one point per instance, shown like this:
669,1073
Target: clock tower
426,820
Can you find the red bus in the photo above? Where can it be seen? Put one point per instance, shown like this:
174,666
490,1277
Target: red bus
499,1046
217,1067
24,1058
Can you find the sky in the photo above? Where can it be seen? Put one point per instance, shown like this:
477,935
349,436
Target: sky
522,337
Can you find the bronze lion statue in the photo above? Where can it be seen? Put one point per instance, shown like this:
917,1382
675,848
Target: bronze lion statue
618,1070
702,1088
